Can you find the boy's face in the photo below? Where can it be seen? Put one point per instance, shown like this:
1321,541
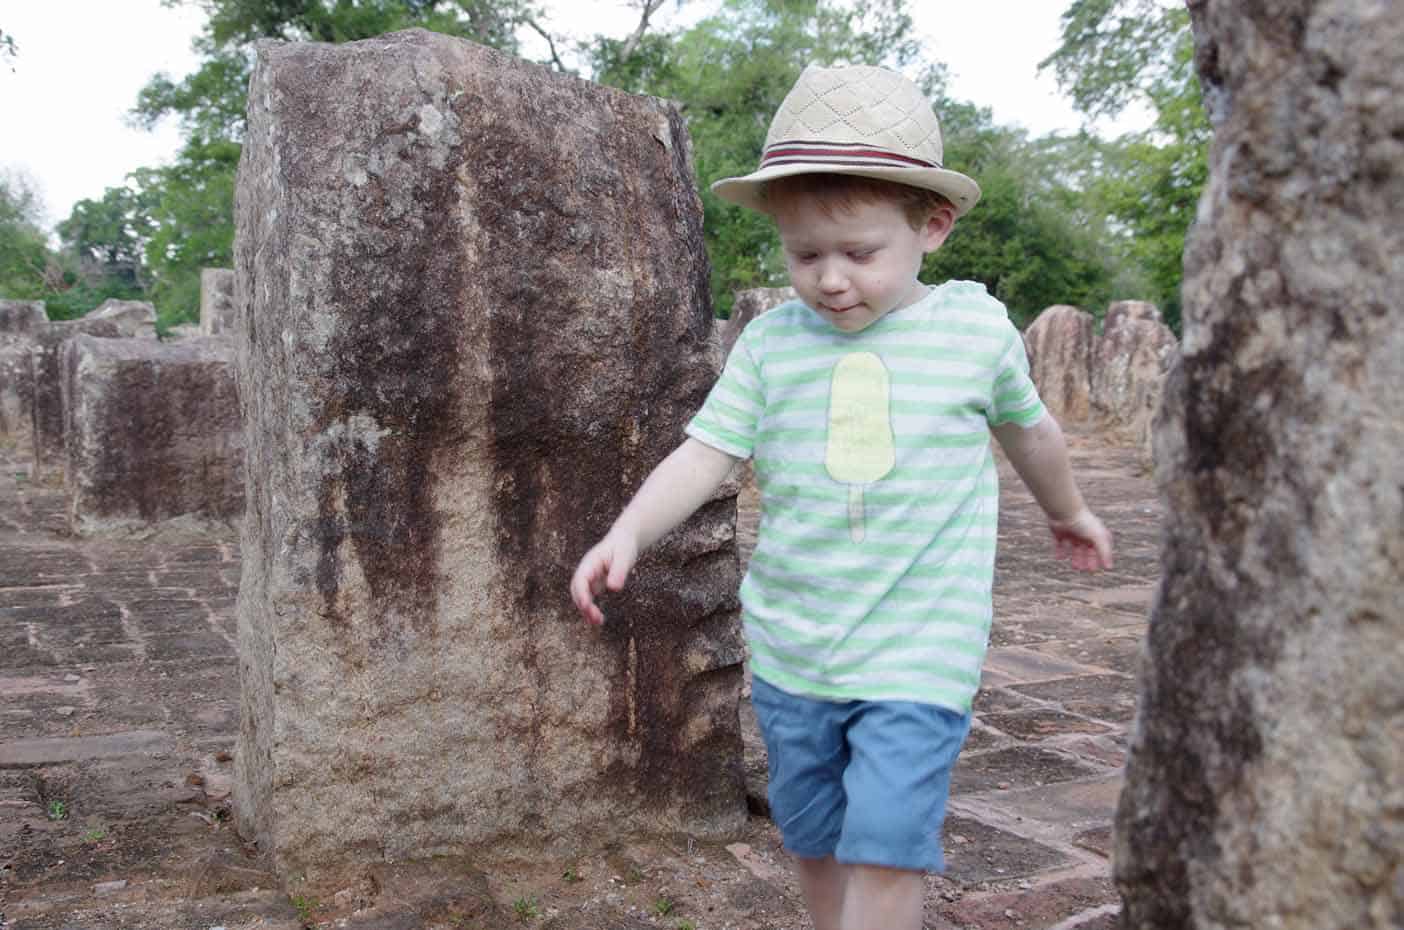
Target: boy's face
859,264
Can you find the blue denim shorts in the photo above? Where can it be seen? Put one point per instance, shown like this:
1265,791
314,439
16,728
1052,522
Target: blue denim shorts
863,781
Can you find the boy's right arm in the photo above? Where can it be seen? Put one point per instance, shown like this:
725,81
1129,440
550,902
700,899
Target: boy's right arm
678,486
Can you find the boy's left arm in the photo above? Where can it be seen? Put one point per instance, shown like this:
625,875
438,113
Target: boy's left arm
1040,455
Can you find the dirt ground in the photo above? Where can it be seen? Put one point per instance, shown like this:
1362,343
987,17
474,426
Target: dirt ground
119,711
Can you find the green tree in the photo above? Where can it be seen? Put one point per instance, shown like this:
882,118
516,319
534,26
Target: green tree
190,203
27,267
1032,240
1119,53
110,234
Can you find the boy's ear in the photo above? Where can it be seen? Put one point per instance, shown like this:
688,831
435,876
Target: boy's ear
938,226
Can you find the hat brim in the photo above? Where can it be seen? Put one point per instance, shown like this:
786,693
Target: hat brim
747,191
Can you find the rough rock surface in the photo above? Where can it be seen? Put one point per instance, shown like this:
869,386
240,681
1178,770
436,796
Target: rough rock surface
18,317
115,319
132,317
749,305
18,321
153,435
217,310
1121,311
1132,358
183,331
473,314
1263,787
1060,345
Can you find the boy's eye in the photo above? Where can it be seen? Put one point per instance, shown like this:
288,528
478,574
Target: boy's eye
861,255
805,256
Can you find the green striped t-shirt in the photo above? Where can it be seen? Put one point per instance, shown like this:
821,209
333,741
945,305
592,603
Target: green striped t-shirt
874,564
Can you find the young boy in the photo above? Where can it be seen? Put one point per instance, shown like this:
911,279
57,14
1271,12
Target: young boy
867,406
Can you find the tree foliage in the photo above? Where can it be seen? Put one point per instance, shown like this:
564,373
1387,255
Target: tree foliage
25,272
1116,54
1036,238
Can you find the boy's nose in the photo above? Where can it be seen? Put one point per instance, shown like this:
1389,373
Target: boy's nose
832,280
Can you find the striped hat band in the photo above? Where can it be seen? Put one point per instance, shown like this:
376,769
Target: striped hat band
850,154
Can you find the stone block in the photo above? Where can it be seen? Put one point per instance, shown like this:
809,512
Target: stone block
1263,781
216,300
1133,357
1060,345
480,317
115,319
21,317
135,318
183,331
749,305
153,435
18,321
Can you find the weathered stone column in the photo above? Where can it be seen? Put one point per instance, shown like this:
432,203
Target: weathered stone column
1264,783
153,435
1130,363
1060,344
472,314
19,319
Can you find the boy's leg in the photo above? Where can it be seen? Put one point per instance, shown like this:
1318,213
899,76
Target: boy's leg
895,787
879,898
823,882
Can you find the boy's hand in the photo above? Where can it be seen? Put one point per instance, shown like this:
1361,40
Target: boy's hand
607,565
1082,541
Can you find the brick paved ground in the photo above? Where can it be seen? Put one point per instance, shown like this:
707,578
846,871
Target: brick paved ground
119,709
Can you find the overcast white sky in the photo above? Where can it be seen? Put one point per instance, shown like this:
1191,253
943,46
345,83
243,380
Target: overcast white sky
63,107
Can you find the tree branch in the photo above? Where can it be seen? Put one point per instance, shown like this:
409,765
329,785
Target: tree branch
550,43
649,8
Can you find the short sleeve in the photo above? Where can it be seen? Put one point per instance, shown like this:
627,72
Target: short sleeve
1014,397
729,417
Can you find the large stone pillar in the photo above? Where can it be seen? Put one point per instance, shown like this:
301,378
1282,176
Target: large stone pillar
1264,781
472,315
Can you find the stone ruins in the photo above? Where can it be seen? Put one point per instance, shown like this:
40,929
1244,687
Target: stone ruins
115,319
152,435
470,312
1061,343
474,314
145,435
1112,381
1264,780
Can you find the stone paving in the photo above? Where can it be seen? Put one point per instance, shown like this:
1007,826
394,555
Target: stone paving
119,710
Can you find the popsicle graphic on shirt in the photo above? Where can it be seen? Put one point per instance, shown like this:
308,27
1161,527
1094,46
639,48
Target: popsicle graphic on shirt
860,446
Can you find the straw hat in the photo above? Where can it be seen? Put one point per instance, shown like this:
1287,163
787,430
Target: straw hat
856,120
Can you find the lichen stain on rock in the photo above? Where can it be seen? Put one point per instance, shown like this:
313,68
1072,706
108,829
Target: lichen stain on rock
576,427
402,346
